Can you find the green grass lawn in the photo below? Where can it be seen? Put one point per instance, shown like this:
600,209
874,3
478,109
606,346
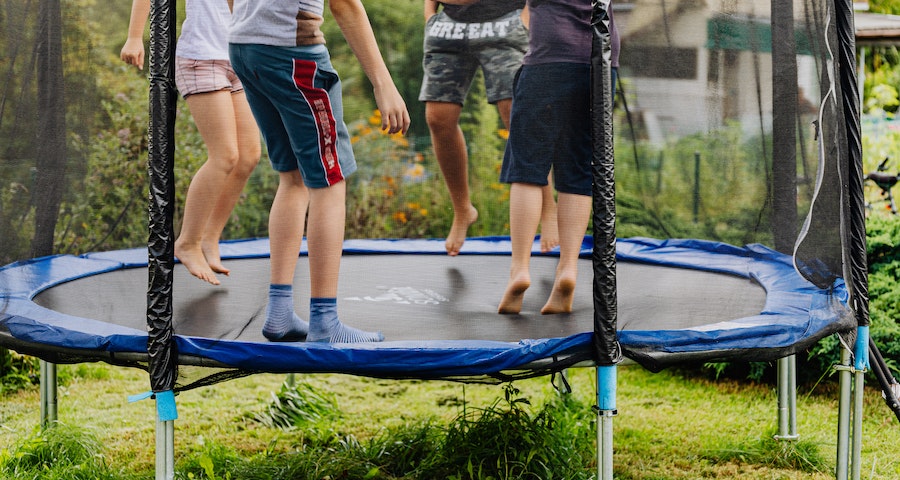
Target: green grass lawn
670,426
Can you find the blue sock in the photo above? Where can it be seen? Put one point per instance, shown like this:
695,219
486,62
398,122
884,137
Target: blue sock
282,324
324,325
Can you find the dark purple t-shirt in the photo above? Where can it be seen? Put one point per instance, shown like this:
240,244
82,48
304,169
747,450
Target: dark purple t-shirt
560,31
482,10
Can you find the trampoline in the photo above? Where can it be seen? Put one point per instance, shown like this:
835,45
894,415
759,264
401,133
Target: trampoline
679,300
741,123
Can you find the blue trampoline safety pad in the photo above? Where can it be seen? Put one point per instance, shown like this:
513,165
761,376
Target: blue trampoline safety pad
438,313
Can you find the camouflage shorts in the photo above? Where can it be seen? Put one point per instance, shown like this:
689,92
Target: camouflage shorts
454,51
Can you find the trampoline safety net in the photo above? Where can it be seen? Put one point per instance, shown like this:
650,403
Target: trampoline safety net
737,210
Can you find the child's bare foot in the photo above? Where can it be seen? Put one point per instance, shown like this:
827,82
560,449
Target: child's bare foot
195,262
213,259
459,230
549,236
514,295
561,297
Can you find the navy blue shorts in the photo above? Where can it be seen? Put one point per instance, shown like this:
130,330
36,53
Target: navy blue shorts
551,127
295,96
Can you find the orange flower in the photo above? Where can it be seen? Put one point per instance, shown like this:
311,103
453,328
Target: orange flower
375,119
399,217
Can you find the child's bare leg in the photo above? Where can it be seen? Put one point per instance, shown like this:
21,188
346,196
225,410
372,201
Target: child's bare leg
286,221
248,144
573,215
213,115
524,215
286,224
450,150
549,226
325,242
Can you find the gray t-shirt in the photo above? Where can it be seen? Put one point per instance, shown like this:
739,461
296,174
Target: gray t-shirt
283,23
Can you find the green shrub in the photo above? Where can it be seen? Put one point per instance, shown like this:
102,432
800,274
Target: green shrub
17,371
803,456
883,258
297,406
60,452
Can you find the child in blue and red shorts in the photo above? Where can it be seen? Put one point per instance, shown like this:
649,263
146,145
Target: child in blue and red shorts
278,50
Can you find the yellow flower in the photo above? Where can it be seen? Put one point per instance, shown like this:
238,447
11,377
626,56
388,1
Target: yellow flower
503,133
398,138
375,119
423,212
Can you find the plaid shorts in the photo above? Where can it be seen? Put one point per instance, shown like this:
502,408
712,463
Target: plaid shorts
454,51
203,76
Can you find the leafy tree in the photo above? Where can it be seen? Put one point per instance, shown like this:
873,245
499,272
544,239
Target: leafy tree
399,29
885,6
39,131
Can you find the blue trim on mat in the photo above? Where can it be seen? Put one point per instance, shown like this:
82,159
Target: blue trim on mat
794,310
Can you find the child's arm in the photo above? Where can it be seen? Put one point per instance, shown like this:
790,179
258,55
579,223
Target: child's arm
354,24
430,8
133,50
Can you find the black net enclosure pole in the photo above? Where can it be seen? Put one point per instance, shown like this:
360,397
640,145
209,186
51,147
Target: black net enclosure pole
160,244
855,214
853,234
605,344
606,348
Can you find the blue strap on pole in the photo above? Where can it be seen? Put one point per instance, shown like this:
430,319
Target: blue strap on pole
165,404
606,387
861,349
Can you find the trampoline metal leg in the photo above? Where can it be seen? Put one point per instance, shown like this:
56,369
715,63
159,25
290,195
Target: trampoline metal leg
605,445
606,410
843,433
165,450
49,406
859,391
787,398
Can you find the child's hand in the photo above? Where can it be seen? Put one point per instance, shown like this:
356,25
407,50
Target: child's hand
394,115
133,53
